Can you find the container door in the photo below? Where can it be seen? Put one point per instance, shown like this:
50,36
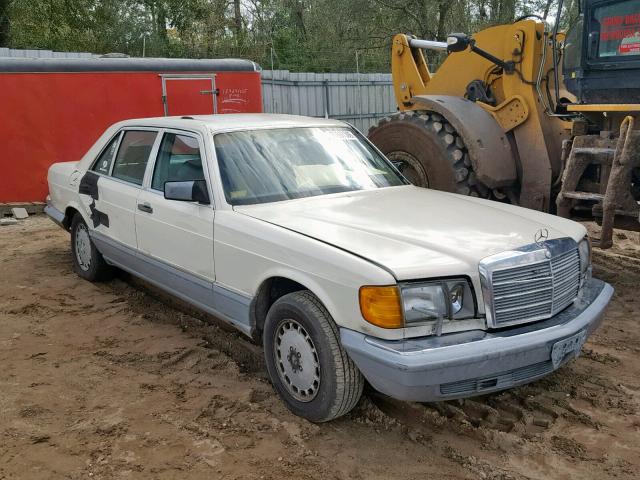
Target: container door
189,94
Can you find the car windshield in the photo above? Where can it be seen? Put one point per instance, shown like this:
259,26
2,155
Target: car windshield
270,165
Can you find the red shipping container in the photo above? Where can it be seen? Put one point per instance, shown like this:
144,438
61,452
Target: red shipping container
54,109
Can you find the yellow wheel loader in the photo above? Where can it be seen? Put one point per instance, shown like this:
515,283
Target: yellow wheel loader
525,114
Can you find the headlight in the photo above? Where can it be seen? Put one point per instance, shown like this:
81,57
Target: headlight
584,249
424,303
413,304
446,299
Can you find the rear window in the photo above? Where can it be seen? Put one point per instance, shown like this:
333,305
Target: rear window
617,27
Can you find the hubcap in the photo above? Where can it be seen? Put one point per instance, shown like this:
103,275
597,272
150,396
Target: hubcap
297,360
410,167
83,247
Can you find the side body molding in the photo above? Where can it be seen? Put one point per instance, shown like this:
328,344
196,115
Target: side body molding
213,298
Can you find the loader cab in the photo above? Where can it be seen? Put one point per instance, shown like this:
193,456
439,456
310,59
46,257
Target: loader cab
601,60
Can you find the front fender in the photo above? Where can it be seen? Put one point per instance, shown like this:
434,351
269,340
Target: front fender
335,307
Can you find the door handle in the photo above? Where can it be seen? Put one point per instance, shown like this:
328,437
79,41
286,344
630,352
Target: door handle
145,207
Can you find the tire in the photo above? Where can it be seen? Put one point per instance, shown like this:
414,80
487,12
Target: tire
87,260
300,317
428,151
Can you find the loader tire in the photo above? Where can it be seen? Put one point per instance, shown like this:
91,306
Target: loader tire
428,152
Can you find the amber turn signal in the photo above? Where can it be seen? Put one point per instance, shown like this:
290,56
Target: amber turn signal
381,306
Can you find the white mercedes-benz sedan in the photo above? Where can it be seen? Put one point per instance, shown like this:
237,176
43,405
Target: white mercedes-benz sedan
299,233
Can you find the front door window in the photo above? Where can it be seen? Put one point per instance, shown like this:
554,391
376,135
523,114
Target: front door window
178,161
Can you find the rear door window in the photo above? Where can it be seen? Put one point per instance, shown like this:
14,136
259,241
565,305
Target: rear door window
133,155
179,160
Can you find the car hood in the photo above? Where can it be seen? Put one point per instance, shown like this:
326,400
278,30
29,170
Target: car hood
414,232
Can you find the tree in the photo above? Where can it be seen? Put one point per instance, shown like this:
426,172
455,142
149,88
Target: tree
4,22
303,35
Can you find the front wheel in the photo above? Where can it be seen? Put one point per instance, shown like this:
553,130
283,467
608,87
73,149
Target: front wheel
306,362
87,260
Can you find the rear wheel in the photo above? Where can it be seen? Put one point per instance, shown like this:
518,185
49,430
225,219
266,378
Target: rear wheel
87,260
428,152
307,365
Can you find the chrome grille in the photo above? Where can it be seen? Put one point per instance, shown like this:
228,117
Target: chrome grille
532,283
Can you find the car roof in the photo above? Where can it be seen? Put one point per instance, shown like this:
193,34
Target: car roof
234,121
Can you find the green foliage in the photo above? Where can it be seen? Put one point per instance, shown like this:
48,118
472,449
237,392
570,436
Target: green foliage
299,35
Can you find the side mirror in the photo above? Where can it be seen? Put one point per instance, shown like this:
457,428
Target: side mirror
457,42
191,191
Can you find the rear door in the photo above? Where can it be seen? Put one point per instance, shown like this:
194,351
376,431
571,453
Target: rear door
176,235
110,189
194,94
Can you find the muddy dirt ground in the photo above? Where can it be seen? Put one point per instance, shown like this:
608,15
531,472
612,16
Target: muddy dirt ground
115,380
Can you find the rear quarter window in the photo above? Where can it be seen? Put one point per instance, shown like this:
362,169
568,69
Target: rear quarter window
105,159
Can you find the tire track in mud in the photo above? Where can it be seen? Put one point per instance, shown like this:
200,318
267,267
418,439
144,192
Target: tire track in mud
524,412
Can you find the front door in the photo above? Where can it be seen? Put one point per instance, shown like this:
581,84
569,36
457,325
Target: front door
189,94
177,236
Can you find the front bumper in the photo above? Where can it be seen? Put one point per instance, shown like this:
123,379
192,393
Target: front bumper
476,362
